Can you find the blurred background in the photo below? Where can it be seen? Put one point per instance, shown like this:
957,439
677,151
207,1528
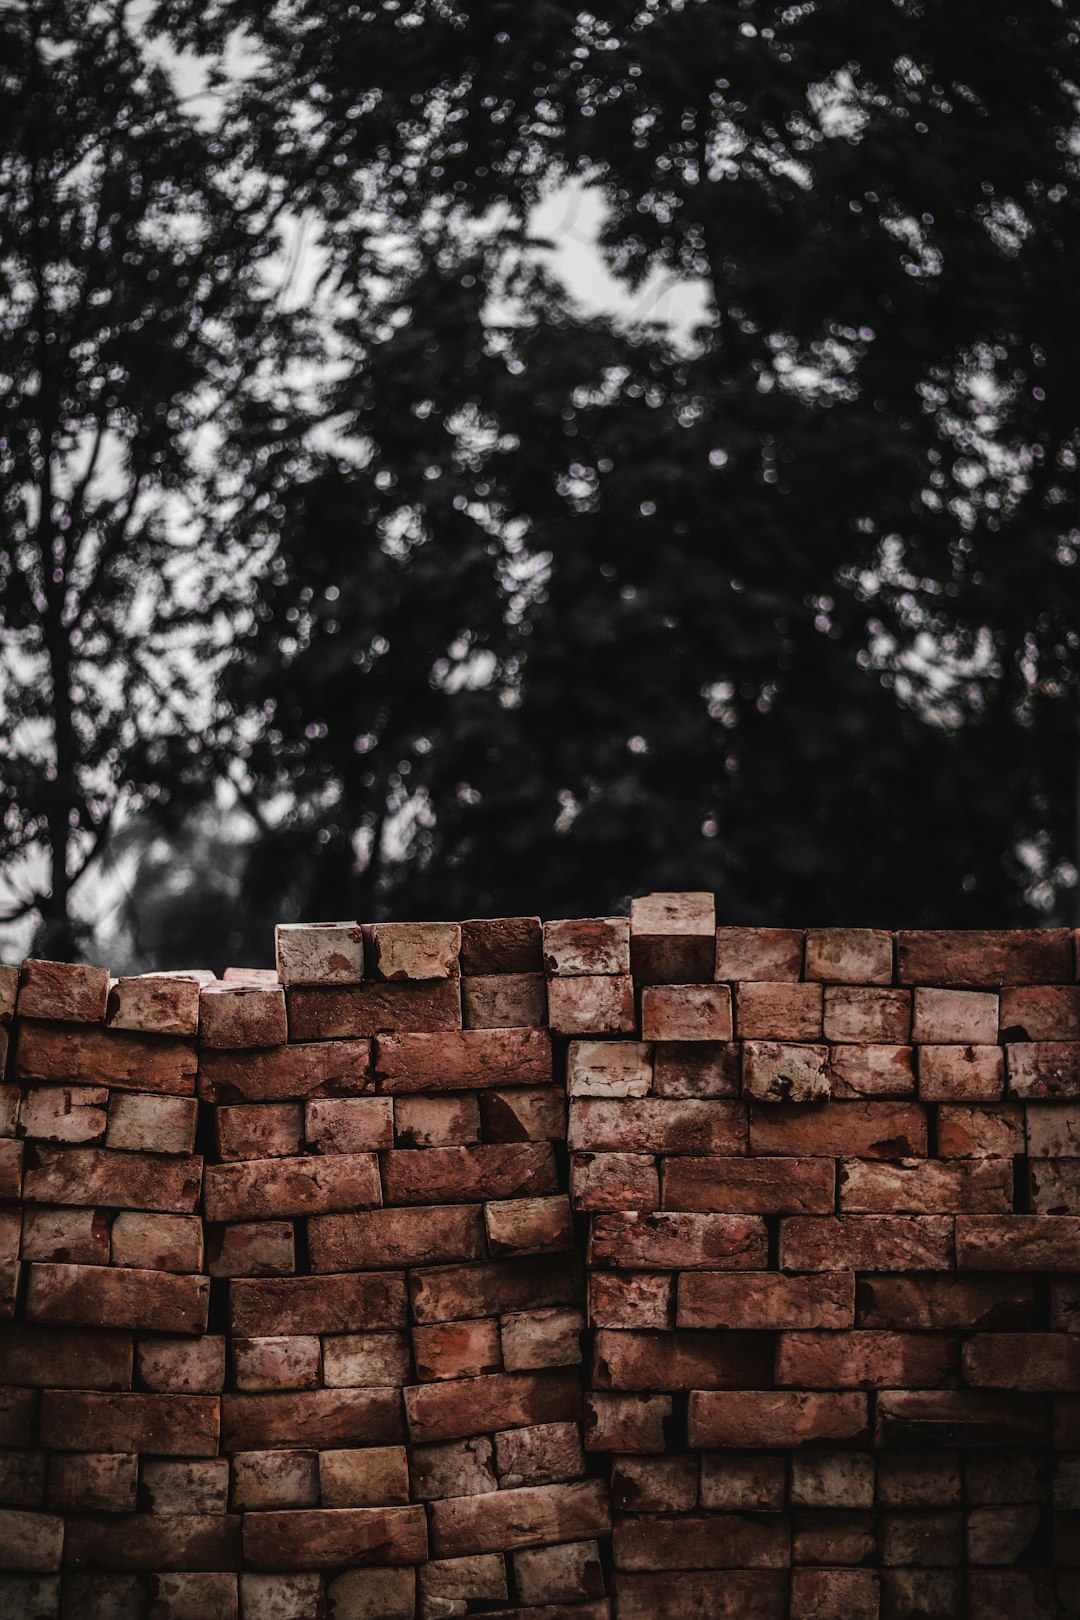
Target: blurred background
462,457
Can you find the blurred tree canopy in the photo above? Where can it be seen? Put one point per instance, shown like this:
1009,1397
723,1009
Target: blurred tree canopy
536,608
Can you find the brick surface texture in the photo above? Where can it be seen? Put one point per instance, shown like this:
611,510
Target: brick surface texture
618,1268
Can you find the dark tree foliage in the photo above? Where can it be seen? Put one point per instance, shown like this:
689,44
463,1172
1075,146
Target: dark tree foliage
794,614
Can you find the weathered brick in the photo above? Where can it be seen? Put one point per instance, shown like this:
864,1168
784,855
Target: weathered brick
1053,1130
371,1477
154,1541
966,1131
80,1236
64,991
182,1366
465,1060
861,1014
373,1594
569,1573
157,1242
529,1225
278,1074
449,1581
67,1358
651,1360
964,1017
538,1454
143,1123
871,1130
459,1408
926,1186
642,1299
30,1541
99,1057
686,1012
1018,1242
96,1176
774,1418
866,1243
763,955
502,1520
919,1479
242,1015
657,1484
609,1069
849,955
249,975
319,953
1045,1012
397,1237
1044,1069
274,1597
258,1189
587,947
351,1360
535,1339
193,1595
18,1416
457,1349
63,1113
530,1114
596,1004
742,1482
673,938
865,1360
315,1417
775,1071
943,1302
832,1479
951,1417
634,1241
278,1479
832,1537
22,1480
1054,1186
657,1125
10,1099
778,1012
349,1124
454,1468
336,1304
765,1299
93,1482
293,1362
696,1068
415,950
251,1249
744,1594
913,1593
98,1296
11,1169
169,1486
361,1011
835,1594
502,945
259,1130
450,1121
164,1425
1023,1361
872,1071
961,1073
462,1174
750,1186
447,1293
156,1003
700,1541
985,957
504,1001
326,1538
611,1181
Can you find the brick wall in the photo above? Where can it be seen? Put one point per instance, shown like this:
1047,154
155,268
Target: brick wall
617,1267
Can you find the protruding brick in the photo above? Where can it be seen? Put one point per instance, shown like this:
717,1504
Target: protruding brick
587,946
529,1225
530,1114
598,1004
293,1362
742,1482
99,1296
415,950
157,1242
672,1241
307,1069
458,1408
609,1069
657,1125
502,1520
82,1055
466,1060
502,945
273,1597
860,1014
65,991
355,1360
1042,1069
673,938
327,1538
448,1293
961,1073
538,1454
985,957
1045,1012
433,1235
277,1479
140,1122
686,1012
612,1181
339,1304
696,1068
778,1012
462,1174
762,955
155,1004
455,1468
774,1072
259,1189
926,1186
171,1486
966,1017
849,955
872,1130
504,1001
319,953
765,1299
772,1419
64,1113
457,1349
1053,1130
450,1121
373,1594
632,1299
545,1338
967,1131
118,1180
370,1477
568,1573
872,1071
832,1479
866,1243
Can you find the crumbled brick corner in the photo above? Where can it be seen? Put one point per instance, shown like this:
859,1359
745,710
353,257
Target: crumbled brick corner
620,1267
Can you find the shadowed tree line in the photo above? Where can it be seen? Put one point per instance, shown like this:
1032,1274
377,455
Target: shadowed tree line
350,567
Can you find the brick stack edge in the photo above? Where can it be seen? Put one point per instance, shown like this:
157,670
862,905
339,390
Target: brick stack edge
618,1267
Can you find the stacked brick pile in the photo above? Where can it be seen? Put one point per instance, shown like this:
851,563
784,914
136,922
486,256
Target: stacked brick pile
622,1267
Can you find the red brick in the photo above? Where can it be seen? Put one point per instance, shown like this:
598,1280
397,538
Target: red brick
696,1069
609,1069
926,1186
186,1487
865,1360
270,1597
349,1124
637,1241
157,1242
359,1012
277,1363
1018,1242
867,1243
93,1482
30,1541
834,1594
872,1071
504,1001
597,1004
182,1366
774,1071
119,1180
778,1012
1054,1186
587,947
832,1479
1013,1594
251,1249
655,1484
531,1516
966,1017
287,1072
67,1358
943,1302
565,1574
449,1293
919,1479
249,975
968,1132
536,1114
774,1418
1053,1130
961,1073
1045,1012
860,1014
832,1537
700,1541
686,1012
872,1130
539,1454
467,1060
257,1189
657,1125
742,1481
22,1479
529,1225
99,1296
502,945
101,1057
155,1004
10,1098
153,1541
764,955
765,1299
415,950
1044,1069
339,1304
449,1121
462,1174
652,1360
315,1417
396,1237
143,1123
849,955
164,1425
355,1360
535,1339
455,1468
326,1538
241,1016
744,1594
319,953
18,1415
457,1349
673,938
79,1236
260,1130
750,1186
193,1595
1024,1361
11,1169
910,1593
64,991
634,1299
461,1407
611,1181
64,1113
985,957
951,1417
374,1476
